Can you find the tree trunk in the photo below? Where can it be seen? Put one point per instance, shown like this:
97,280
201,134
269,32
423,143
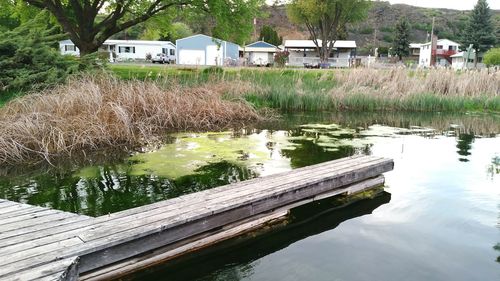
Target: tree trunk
86,49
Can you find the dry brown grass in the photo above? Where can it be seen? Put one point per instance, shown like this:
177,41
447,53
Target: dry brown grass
400,83
92,113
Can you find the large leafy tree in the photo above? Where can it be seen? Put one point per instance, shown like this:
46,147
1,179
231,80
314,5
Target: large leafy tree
401,44
90,22
326,19
479,31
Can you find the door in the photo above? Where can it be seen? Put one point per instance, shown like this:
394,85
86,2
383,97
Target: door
191,57
214,56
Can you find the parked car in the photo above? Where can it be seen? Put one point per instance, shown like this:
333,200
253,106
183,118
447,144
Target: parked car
160,58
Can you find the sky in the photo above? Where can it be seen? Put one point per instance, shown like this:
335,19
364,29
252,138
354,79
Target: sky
450,4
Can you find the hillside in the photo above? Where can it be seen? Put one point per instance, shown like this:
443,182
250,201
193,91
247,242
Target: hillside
380,21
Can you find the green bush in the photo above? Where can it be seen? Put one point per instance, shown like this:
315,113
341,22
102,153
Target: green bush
388,38
366,30
387,29
213,70
492,57
29,59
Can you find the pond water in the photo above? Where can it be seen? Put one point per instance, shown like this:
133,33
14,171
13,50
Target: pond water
438,218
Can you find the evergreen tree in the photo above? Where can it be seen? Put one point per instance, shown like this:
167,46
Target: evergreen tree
401,45
269,35
28,58
479,31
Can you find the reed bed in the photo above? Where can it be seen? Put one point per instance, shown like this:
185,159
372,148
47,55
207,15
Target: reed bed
382,90
420,90
348,89
91,113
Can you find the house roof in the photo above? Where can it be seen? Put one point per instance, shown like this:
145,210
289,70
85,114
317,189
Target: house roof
260,44
462,55
203,35
130,42
442,41
137,42
310,44
415,45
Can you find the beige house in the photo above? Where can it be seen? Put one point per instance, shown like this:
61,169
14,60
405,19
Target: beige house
304,52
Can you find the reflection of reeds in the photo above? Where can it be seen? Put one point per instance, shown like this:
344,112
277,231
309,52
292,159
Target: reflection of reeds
90,113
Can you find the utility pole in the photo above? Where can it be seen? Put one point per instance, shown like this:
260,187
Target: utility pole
433,44
254,27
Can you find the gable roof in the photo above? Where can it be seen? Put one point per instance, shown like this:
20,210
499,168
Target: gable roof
261,44
126,42
203,35
310,44
442,41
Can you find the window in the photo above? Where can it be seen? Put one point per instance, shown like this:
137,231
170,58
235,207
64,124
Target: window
172,52
126,49
439,47
164,51
452,48
69,48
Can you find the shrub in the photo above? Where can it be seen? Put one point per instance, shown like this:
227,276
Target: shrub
492,57
366,30
388,38
280,58
213,70
387,29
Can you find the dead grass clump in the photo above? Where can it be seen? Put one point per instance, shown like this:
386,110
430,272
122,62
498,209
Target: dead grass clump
90,113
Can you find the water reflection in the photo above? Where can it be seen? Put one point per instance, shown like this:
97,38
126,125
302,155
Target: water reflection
233,260
112,188
194,162
464,145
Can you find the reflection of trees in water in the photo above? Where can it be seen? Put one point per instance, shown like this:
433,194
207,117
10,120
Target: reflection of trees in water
114,190
308,152
494,167
497,247
485,125
464,145
235,259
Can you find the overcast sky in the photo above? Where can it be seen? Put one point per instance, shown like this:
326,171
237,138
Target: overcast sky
450,4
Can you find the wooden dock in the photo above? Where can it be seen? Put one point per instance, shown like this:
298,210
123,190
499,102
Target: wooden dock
42,244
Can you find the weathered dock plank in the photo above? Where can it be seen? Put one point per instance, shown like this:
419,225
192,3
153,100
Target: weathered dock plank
32,238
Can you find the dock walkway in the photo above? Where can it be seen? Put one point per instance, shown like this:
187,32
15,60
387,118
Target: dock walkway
42,244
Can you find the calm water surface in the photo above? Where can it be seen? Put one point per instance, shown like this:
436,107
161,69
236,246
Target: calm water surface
438,218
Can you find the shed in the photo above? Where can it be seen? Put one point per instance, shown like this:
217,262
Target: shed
201,49
260,53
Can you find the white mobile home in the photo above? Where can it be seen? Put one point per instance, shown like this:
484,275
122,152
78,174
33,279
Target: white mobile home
260,53
126,49
201,49
304,52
